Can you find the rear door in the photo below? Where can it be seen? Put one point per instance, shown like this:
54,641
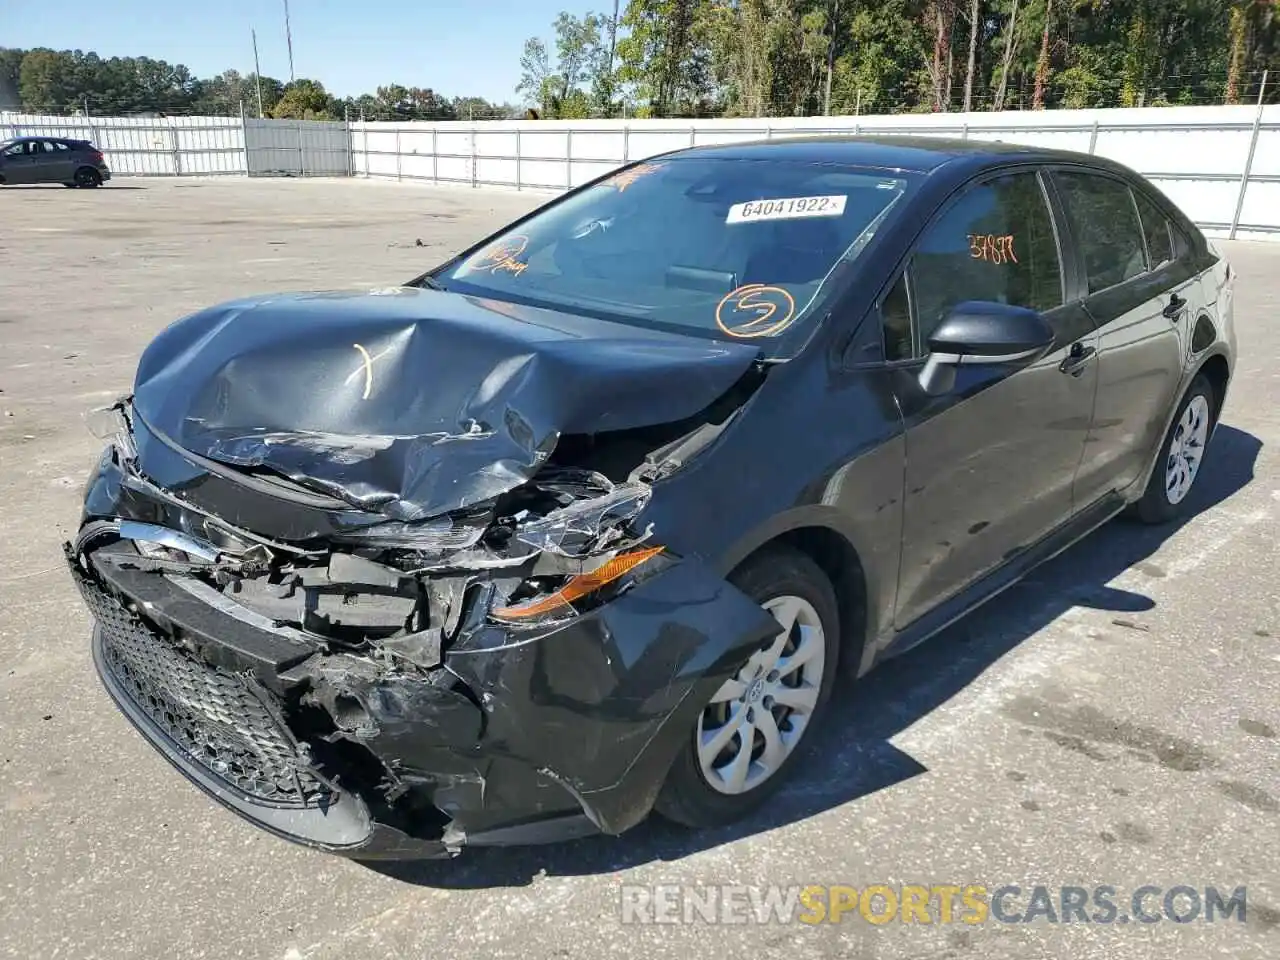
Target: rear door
57,162
990,464
53,161
1143,299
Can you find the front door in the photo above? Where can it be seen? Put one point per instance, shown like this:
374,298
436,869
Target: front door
1143,297
16,163
990,464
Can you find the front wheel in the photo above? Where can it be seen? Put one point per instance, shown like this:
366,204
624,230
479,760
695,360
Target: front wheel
741,747
1181,456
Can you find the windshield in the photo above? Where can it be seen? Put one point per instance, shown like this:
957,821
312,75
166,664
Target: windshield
725,248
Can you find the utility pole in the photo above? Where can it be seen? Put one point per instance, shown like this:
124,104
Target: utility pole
288,39
257,72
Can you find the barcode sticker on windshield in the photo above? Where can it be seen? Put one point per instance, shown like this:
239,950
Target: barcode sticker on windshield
786,208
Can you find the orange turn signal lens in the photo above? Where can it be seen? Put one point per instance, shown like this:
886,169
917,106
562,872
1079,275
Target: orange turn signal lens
576,588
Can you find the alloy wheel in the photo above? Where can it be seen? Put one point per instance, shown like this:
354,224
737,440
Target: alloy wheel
757,717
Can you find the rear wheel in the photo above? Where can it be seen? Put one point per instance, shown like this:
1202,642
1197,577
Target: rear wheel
742,746
88,177
1181,456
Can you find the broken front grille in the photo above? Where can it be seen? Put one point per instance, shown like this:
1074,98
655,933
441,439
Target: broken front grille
209,714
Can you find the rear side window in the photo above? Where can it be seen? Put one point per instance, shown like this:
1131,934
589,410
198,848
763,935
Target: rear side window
996,243
1104,220
1155,227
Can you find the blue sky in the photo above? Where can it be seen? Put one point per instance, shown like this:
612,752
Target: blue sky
456,47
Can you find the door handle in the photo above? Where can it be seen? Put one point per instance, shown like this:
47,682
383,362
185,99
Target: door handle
1175,307
1078,357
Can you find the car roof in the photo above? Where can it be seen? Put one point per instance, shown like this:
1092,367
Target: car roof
908,153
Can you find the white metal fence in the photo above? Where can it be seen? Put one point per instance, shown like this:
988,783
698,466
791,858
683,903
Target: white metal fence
1220,164
292,148
145,146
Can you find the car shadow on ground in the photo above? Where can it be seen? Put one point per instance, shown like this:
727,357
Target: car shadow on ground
856,756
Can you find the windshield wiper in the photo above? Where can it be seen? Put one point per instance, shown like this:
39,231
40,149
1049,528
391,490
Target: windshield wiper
430,282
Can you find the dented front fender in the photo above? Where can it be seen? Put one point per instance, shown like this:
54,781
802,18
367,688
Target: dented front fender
604,703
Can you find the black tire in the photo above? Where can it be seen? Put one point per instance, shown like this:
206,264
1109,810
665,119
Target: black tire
686,797
1155,506
88,177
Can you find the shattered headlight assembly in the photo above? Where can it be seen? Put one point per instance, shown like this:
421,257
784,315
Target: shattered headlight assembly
583,591
113,425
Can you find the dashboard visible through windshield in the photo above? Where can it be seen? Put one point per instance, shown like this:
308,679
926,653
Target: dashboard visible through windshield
726,248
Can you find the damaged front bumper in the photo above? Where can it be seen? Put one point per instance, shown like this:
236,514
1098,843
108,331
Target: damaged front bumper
468,731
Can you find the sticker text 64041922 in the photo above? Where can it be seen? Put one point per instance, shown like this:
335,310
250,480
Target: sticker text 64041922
786,208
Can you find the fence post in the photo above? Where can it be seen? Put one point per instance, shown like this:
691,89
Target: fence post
364,127
1248,163
626,143
399,173
435,157
517,159
568,160
1093,138
244,137
693,135
768,131
173,139
302,157
351,147
473,156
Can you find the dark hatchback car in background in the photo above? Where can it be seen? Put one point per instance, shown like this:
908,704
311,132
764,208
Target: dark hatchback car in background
592,519
72,163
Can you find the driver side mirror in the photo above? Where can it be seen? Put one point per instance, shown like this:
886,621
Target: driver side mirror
978,331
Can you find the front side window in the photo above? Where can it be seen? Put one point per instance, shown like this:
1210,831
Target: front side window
731,249
996,243
1104,220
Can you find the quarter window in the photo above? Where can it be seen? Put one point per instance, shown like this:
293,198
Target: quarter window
996,243
1104,220
1155,227
895,317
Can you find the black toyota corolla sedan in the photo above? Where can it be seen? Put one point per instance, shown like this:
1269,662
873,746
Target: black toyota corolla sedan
591,520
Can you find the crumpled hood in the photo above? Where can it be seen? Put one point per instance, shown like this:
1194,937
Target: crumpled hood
413,402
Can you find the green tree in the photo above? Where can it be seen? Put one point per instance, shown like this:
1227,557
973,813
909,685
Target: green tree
666,54
306,100
578,50
537,80
46,81
10,76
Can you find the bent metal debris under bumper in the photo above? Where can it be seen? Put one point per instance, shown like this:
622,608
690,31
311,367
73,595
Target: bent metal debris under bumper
514,671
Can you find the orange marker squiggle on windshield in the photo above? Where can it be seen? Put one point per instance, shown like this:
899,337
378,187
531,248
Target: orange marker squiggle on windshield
501,256
625,178
747,311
